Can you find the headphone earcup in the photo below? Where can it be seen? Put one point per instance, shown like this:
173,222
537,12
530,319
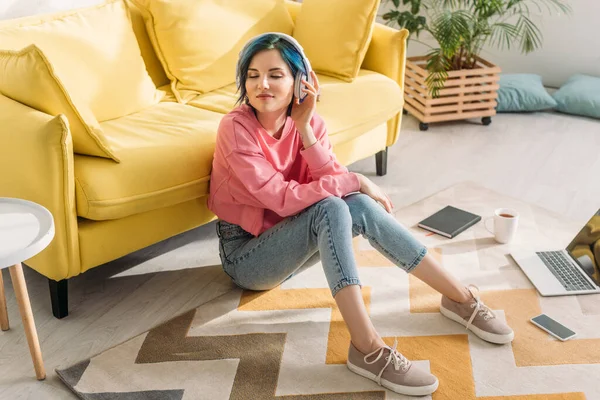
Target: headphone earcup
298,86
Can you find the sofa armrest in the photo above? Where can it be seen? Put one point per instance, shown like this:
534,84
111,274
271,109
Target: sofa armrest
36,160
387,55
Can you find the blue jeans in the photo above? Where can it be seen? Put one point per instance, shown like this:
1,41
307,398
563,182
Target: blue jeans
265,261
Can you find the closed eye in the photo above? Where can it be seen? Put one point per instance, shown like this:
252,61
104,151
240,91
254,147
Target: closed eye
272,76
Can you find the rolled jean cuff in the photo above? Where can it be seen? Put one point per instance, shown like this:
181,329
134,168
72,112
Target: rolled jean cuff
417,260
343,283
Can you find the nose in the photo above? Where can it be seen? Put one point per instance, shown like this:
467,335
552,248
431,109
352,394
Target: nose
263,83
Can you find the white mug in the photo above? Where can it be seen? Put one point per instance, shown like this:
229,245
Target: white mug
506,221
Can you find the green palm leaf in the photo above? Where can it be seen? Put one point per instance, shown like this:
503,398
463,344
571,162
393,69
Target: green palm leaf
437,66
503,34
449,28
529,33
556,5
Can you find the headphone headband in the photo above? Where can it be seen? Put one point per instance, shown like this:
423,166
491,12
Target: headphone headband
288,39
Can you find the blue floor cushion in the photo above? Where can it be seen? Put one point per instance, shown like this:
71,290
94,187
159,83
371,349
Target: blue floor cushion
523,93
580,95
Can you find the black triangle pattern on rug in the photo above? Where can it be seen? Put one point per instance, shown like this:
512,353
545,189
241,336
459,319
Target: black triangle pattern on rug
72,375
145,395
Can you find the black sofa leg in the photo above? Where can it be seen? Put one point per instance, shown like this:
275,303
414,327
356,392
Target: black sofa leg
59,297
381,162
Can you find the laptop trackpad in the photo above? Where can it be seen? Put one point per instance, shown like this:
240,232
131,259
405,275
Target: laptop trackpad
537,272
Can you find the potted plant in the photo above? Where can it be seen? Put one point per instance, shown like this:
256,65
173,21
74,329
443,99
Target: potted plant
452,81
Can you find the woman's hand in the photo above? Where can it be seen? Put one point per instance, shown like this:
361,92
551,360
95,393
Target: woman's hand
375,192
303,113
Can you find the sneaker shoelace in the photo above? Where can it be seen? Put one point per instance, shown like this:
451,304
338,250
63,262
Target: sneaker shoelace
479,308
394,358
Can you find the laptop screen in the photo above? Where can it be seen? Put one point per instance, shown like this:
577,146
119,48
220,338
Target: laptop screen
585,248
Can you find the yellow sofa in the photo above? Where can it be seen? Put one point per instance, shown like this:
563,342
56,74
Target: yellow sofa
105,209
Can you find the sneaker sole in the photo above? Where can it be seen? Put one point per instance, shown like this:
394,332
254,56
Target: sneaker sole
487,336
407,390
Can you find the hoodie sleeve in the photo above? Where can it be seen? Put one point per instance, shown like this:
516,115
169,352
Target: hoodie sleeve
320,157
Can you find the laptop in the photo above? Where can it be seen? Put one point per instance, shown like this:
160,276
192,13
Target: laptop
574,270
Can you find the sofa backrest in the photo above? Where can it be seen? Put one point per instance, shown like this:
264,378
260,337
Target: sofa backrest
153,65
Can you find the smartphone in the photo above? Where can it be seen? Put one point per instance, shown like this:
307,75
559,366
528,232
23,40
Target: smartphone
553,327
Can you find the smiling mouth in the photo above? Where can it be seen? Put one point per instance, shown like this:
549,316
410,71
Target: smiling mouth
264,96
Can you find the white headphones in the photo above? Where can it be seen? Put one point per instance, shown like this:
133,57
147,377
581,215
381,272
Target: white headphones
300,75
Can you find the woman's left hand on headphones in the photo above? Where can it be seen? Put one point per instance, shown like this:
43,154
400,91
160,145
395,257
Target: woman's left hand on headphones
302,113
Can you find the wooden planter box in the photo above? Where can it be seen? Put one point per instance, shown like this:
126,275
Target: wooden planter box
468,93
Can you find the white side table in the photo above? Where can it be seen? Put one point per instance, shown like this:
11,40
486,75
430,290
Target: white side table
26,228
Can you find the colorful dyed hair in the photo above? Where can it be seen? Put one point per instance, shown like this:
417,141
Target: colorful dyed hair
288,52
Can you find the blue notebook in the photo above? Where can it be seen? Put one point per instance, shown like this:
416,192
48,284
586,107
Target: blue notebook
449,221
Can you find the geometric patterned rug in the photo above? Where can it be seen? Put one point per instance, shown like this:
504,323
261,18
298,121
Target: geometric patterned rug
290,343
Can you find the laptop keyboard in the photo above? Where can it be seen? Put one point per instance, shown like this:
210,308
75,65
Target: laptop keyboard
569,276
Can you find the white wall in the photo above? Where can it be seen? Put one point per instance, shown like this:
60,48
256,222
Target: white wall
20,8
571,44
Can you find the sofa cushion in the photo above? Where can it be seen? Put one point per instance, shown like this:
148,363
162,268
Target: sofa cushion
26,76
340,48
166,156
153,65
198,41
94,53
349,109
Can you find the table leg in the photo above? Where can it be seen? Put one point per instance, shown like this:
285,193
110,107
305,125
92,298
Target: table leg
3,312
18,281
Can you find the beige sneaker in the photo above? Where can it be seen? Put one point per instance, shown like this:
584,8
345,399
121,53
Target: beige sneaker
392,370
477,317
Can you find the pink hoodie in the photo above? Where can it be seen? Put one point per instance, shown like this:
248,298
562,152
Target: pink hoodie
257,180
